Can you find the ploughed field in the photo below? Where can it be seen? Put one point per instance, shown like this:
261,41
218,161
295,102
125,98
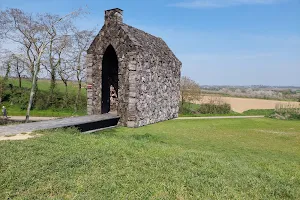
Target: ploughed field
177,159
243,104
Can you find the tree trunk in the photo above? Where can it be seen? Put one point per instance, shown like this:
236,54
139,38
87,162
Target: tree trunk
66,94
78,96
52,85
19,76
1,89
52,71
32,93
20,80
7,72
182,98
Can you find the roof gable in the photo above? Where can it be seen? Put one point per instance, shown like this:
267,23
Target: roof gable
140,39
149,43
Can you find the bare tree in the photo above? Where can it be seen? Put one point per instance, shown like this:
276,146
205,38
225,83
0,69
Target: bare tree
65,73
5,60
59,41
5,70
33,33
18,67
7,67
189,90
81,42
52,61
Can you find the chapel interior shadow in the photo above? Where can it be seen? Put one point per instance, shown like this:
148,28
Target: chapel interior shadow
109,100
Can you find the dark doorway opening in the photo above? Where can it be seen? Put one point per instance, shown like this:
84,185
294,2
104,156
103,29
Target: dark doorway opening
109,81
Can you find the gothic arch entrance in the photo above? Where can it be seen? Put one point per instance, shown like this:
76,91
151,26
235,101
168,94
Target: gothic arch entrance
109,100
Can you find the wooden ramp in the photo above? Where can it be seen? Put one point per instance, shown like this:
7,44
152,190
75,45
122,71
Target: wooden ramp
84,124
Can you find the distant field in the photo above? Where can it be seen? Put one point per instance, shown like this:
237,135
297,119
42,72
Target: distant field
241,105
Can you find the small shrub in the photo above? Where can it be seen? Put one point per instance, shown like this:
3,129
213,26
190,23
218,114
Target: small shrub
210,108
40,102
185,109
6,96
287,111
19,96
214,105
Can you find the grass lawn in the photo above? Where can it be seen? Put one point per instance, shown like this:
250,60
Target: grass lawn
14,110
265,112
232,113
178,159
44,85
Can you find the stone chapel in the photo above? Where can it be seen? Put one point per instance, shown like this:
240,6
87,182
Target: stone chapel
132,74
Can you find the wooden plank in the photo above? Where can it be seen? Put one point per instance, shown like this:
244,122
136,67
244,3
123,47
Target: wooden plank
83,123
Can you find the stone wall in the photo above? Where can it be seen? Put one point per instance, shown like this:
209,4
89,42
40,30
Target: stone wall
158,89
154,80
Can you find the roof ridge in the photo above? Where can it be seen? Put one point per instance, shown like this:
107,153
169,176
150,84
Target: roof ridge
141,31
155,45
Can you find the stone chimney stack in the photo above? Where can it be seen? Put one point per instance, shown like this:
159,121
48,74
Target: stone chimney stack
114,15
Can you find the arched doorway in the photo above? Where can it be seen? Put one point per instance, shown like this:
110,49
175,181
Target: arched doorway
109,81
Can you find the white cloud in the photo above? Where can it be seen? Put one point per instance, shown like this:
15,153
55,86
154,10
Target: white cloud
223,3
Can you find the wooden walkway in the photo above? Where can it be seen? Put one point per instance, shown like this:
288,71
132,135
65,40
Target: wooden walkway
85,123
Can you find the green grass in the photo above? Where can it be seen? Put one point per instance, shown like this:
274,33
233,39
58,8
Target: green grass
265,112
232,113
15,110
44,85
253,112
177,159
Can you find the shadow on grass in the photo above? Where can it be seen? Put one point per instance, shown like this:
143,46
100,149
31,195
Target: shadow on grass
111,132
115,133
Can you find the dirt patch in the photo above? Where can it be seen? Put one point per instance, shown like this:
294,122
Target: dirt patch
18,137
243,104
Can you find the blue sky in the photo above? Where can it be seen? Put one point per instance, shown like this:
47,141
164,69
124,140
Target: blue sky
220,42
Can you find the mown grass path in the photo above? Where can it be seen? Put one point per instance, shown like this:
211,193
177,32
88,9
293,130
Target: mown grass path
221,117
43,123
177,159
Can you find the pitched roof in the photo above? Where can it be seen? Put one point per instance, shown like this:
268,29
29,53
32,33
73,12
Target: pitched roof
149,43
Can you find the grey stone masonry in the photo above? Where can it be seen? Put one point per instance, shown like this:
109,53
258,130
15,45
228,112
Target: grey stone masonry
148,78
